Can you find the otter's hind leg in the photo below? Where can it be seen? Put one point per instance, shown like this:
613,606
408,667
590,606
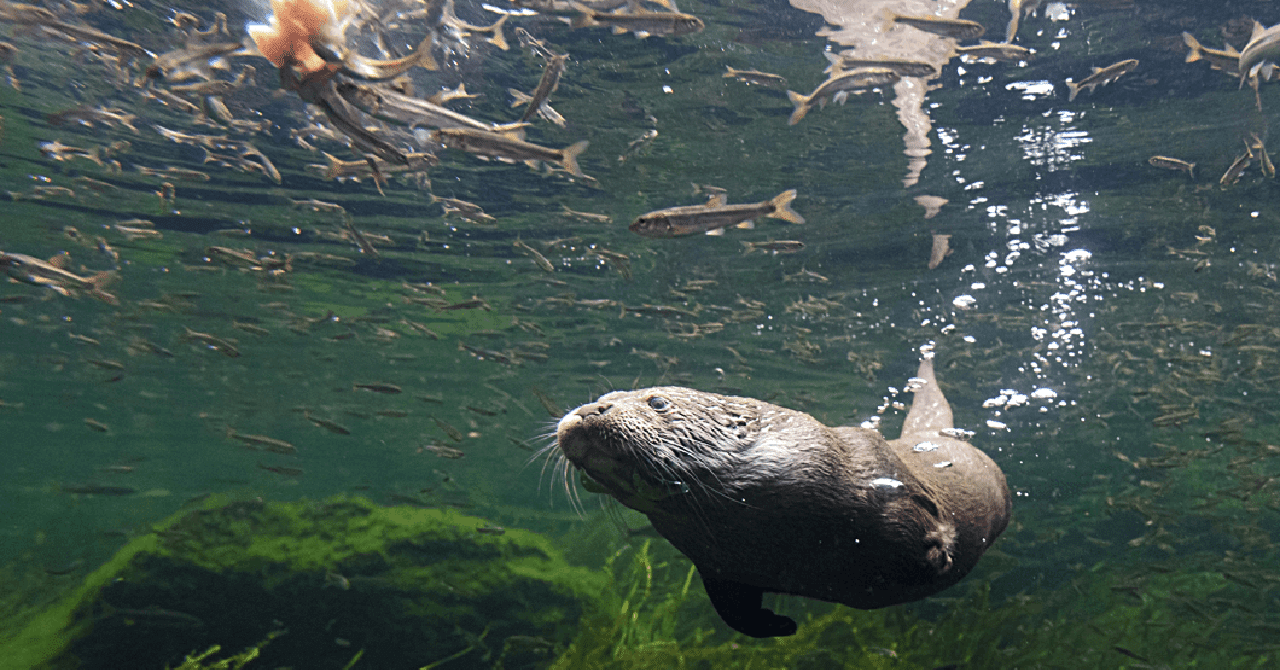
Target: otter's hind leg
741,607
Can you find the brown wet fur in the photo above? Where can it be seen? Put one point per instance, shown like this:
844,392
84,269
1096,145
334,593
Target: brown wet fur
768,497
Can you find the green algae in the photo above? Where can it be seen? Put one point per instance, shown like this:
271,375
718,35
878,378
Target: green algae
402,586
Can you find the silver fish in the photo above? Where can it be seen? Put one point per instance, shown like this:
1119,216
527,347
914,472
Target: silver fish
1101,76
840,83
713,216
504,145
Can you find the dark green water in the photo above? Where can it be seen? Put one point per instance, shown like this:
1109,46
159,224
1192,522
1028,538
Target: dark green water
1137,309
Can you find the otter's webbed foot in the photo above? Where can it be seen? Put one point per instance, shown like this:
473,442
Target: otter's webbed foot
741,607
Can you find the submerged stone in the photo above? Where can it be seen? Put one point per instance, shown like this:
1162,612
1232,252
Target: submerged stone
404,587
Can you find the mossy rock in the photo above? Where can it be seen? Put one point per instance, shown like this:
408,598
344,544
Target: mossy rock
406,587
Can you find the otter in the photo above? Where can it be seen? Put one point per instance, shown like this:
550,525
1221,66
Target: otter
766,499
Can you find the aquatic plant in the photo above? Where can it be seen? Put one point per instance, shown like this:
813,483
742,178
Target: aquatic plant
665,621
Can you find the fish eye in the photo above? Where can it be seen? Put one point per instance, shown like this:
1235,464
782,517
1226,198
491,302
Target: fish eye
659,403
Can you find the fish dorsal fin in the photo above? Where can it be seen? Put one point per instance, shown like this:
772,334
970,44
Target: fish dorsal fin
1231,50
1097,69
1258,29
717,200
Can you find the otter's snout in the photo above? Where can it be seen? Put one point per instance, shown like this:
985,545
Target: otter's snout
572,441
593,409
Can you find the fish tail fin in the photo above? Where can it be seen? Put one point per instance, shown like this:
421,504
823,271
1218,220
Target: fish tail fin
570,160
782,207
1075,90
888,18
425,60
497,39
750,248
1011,30
1191,170
1196,51
333,168
102,295
102,279
715,232
583,18
520,97
802,107
729,72
749,224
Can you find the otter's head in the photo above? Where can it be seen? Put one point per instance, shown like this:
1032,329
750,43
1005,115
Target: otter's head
648,446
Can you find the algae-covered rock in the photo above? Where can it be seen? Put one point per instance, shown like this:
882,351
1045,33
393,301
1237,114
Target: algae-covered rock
406,587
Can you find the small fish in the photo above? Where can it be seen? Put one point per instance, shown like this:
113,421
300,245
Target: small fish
538,259
713,216
1258,152
1227,60
105,364
494,530
326,424
1130,654
392,413
838,87
394,107
317,206
464,209
940,250
546,86
378,387
774,246
50,274
281,470
547,403
755,77
1173,164
995,51
213,342
269,443
642,23
453,433
496,356
1238,166
155,616
955,28
503,145
88,115
442,451
250,328
96,489
591,217
473,303
851,59
1101,76
97,426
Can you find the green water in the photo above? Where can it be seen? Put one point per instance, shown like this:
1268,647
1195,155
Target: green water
1141,303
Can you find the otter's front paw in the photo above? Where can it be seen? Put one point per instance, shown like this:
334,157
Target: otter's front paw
740,607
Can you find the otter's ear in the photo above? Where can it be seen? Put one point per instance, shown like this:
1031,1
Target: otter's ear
741,607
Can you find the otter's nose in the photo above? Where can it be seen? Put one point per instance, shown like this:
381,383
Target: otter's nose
593,409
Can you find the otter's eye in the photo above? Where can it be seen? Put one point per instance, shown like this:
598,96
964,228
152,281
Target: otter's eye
659,403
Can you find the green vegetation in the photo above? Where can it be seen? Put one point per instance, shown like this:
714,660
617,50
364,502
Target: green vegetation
333,579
